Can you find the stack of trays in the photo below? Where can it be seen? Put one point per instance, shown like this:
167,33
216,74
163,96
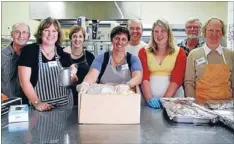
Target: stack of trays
5,104
184,110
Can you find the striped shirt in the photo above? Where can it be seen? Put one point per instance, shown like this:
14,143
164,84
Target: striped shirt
9,77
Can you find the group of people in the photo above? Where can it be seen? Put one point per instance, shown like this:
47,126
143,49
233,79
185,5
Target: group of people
205,69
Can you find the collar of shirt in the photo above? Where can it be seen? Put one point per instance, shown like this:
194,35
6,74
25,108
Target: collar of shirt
219,49
10,50
199,43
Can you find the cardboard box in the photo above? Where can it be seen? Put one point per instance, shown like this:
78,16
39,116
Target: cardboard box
109,109
18,113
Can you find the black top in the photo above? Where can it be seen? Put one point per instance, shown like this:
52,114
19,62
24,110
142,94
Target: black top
29,58
82,70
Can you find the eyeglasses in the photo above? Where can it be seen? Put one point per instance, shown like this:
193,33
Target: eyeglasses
17,32
194,27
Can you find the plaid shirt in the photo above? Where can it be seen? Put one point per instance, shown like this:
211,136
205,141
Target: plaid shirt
187,50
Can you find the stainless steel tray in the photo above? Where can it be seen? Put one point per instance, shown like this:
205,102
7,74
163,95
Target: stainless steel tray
184,110
226,117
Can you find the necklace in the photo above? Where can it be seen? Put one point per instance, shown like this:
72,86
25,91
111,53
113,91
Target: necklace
78,54
118,63
48,54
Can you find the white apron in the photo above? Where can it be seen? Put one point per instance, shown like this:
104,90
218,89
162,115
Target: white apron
159,85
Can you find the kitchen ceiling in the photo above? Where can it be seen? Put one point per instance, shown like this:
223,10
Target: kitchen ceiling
101,10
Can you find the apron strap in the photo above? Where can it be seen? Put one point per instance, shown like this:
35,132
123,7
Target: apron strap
104,64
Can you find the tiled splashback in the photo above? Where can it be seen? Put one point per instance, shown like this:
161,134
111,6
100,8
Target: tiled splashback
230,25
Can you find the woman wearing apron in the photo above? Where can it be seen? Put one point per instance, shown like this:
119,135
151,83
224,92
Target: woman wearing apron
78,56
163,65
209,72
115,66
39,67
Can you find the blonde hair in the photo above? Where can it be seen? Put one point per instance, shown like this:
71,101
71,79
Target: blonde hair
208,21
152,46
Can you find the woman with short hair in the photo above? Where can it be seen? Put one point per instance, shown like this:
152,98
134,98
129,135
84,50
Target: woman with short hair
39,68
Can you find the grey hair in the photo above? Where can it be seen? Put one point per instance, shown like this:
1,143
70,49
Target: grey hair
15,25
136,20
192,19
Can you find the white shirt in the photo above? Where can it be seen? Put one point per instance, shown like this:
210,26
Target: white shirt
207,50
135,49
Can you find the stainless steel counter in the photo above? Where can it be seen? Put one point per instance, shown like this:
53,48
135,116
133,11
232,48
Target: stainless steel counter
61,127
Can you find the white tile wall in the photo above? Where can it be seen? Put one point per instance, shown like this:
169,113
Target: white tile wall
230,25
230,6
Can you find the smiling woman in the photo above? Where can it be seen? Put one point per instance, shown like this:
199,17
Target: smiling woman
114,66
39,67
78,56
163,65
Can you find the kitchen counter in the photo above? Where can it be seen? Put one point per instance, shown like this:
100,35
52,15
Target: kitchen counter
61,127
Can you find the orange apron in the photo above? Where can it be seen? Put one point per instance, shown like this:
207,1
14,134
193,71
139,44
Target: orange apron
214,83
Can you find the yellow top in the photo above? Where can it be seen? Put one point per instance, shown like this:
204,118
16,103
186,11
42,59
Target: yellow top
165,68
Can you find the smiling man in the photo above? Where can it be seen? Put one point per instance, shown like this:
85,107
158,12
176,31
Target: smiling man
192,30
210,69
135,29
20,35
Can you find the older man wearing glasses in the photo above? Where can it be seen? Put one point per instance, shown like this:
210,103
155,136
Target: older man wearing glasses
192,30
20,35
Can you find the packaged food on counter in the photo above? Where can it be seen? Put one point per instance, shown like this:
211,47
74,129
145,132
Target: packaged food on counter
220,104
111,89
184,110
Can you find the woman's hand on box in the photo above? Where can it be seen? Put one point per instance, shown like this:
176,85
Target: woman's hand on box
82,88
122,87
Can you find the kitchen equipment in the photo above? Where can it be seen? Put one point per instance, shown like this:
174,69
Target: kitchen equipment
64,78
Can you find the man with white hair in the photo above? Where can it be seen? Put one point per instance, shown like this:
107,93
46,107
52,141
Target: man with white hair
10,85
136,29
192,30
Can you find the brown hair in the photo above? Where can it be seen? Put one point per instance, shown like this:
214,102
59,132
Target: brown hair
153,47
45,24
76,29
118,30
